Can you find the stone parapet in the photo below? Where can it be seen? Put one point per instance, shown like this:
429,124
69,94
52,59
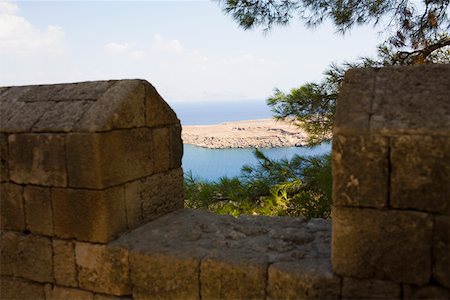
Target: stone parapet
80,164
86,160
391,180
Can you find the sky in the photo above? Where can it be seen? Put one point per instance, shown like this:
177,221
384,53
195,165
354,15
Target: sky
189,50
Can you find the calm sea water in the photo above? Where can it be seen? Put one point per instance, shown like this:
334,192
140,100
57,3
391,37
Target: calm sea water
211,164
205,113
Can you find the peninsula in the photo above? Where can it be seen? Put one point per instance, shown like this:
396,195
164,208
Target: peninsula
261,133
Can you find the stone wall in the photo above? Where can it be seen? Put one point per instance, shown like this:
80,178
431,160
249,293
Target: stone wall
80,165
91,198
391,180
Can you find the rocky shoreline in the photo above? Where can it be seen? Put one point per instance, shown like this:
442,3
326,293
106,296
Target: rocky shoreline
261,133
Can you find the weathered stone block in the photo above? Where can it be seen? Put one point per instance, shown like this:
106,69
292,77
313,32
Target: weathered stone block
60,293
403,94
103,269
110,111
26,256
37,159
62,116
425,292
162,193
354,103
154,196
89,215
176,147
12,215
19,289
40,93
38,210
420,177
9,242
383,244
303,279
164,276
99,160
4,172
224,279
64,266
8,109
108,297
14,93
360,171
353,288
135,194
89,90
161,149
157,111
23,116
441,250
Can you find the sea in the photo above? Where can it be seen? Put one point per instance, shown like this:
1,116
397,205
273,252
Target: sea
212,164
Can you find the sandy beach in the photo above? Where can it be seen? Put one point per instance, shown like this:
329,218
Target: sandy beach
261,133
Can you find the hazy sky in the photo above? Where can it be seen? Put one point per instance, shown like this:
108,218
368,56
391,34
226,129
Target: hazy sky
189,50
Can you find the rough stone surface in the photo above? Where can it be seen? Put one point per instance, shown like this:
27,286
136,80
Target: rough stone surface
360,171
353,108
89,215
60,293
13,94
18,289
93,159
353,288
37,159
154,196
161,149
64,266
8,109
176,147
420,177
61,116
12,215
231,253
157,111
392,100
383,244
26,256
111,111
425,292
22,117
38,210
102,269
403,94
89,90
108,297
225,278
39,93
4,172
83,107
164,276
303,279
441,250
8,252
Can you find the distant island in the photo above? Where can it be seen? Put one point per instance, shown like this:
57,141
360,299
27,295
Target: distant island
261,133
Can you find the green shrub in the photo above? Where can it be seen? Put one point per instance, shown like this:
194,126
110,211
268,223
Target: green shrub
297,187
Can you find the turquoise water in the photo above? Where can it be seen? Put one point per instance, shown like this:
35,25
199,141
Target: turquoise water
212,164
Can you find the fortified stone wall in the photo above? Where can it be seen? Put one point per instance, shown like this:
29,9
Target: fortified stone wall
87,178
80,165
391,181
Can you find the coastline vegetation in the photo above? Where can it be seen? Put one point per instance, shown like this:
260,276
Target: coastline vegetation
417,33
300,186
